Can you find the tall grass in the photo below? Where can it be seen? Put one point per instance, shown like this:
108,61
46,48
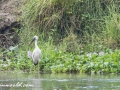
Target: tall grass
112,29
88,25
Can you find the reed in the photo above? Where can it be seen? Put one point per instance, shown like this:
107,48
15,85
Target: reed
77,25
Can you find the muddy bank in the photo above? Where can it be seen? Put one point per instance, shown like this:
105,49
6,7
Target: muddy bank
9,22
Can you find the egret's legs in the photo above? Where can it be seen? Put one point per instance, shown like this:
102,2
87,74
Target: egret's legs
38,68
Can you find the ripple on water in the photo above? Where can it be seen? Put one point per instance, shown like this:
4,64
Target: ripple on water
87,87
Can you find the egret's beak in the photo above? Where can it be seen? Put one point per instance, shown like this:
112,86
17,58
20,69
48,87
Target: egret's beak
32,41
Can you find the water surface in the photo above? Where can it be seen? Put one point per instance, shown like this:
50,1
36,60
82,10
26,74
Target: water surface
35,81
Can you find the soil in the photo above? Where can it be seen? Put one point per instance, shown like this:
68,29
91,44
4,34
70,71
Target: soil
9,15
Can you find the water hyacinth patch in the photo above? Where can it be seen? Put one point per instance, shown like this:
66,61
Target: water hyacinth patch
58,61
104,62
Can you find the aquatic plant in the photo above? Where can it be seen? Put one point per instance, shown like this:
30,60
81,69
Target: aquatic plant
56,61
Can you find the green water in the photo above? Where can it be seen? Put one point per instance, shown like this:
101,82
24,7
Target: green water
35,81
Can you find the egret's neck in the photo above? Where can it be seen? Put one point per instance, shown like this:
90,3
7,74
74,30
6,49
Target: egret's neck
36,44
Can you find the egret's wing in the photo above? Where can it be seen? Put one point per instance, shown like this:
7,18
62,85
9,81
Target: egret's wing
36,56
29,54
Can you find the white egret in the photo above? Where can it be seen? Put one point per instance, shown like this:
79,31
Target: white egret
36,54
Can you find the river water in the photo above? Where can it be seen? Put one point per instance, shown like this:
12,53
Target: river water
36,81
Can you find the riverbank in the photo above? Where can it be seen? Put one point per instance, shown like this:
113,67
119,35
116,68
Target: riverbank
79,37
9,22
